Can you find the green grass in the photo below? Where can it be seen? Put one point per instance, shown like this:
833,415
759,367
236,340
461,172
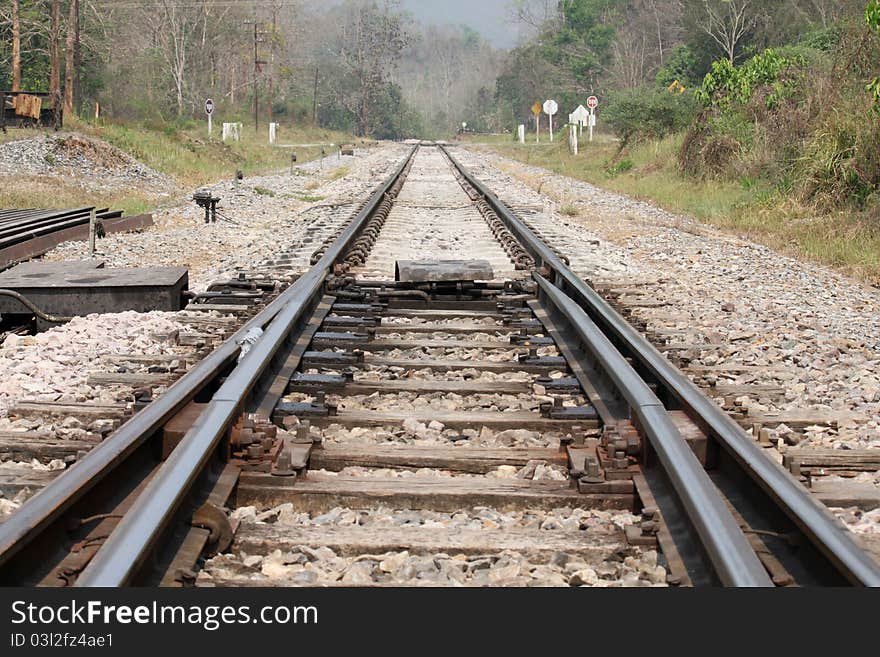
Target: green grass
36,192
650,173
192,158
187,156
750,208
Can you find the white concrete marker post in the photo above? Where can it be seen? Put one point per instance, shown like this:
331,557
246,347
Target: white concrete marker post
521,134
273,133
573,138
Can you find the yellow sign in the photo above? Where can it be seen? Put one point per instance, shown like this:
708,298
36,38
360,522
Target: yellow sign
677,87
536,109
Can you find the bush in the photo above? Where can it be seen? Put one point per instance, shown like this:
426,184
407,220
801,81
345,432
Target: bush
840,165
648,113
624,166
683,66
707,151
727,85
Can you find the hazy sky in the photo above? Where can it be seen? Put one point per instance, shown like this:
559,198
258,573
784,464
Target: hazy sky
489,17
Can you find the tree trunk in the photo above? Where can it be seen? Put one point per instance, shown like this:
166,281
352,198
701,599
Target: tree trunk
16,47
69,59
55,60
77,57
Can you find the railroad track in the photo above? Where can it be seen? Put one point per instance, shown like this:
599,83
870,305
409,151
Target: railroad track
380,381
26,234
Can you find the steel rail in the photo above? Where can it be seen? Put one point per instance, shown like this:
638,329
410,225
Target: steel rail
44,508
727,548
824,532
121,555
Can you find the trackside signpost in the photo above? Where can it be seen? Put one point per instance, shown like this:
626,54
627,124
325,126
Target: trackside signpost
209,110
580,117
536,110
550,108
592,103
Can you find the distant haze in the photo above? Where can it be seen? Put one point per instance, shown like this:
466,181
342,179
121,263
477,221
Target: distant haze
488,17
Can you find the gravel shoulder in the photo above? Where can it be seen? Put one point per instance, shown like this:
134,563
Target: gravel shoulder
253,218
753,317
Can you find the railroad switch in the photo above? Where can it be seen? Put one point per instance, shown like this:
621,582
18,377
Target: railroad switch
204,199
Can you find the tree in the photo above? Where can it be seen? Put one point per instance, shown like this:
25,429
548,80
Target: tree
443,71
16,46
728,23
70,64
872,16
369,45
55,59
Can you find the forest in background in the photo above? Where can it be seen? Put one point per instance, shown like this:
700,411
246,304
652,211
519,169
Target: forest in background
362,67
774,94
754,90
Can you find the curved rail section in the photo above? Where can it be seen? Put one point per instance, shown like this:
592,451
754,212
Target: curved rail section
36,517
811,543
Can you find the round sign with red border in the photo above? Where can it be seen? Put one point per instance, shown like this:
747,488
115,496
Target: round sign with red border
592,102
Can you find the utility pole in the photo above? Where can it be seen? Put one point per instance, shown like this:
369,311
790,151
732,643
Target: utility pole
273,38
257,69
315,100
256,81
